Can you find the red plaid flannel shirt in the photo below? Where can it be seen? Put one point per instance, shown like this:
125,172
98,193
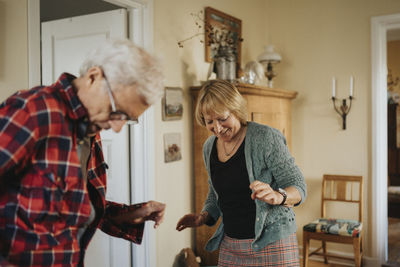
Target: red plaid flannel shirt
44,199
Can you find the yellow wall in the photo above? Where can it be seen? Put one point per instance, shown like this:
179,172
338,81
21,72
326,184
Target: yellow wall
13,47
185,67
316,39
319,40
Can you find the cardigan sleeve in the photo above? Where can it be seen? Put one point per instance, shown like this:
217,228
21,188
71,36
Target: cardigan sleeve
210,205
282,165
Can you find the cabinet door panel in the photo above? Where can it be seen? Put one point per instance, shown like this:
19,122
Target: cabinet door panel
276,120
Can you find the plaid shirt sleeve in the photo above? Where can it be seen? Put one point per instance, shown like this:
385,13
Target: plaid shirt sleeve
131,232
4,262
19,128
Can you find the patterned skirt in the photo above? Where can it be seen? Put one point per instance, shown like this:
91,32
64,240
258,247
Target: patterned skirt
238,252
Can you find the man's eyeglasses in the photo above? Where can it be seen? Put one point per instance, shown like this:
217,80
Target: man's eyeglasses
116,115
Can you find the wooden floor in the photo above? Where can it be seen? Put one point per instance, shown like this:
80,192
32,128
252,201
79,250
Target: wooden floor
312,263
394,240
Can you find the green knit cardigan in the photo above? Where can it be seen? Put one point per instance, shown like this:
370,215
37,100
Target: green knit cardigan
268,160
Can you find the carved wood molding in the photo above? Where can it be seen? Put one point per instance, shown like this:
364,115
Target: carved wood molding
250,89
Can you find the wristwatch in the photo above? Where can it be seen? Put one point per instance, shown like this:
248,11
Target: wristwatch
284,194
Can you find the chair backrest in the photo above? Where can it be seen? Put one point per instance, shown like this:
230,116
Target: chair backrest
342,188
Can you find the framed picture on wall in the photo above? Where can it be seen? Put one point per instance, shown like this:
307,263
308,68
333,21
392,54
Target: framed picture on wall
172,147
216,22
172,104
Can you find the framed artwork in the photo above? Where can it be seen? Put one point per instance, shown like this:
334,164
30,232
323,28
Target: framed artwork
216,20
172,104
172,147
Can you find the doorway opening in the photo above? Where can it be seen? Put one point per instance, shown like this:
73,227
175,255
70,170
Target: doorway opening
393,112
380,26
141,144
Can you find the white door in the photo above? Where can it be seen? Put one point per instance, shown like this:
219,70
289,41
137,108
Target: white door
65,43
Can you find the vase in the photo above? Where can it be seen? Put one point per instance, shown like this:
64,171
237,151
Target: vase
225,64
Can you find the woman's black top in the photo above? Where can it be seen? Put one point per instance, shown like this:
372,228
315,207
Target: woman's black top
231,181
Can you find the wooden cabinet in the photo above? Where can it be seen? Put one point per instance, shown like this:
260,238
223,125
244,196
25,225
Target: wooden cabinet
264,105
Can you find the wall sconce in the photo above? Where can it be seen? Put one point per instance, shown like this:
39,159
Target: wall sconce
267,58
343,110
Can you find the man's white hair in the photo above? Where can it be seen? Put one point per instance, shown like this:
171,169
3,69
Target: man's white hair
127,64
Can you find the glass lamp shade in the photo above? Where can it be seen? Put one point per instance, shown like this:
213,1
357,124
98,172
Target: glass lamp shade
269,55
267,58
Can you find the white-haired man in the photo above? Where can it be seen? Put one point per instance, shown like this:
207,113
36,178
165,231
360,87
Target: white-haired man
52,171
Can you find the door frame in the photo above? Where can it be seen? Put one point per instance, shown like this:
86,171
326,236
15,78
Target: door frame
141,144
379,219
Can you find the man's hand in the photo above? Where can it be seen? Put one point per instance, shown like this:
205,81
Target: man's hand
151,210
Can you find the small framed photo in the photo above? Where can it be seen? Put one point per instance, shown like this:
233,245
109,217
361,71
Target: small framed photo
172,104
172,147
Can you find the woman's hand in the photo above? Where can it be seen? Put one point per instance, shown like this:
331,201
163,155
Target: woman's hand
191,220
264,192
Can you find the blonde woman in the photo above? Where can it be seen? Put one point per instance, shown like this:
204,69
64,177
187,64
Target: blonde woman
253,184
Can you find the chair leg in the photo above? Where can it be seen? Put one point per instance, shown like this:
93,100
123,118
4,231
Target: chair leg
306,244
357,251
324,251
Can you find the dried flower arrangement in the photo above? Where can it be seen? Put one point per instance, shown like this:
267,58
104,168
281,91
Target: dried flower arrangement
218,32
201,29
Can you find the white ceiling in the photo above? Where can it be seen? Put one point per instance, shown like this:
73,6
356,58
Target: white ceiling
59,9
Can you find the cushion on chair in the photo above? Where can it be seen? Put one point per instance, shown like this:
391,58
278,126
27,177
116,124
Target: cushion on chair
335,227
395,190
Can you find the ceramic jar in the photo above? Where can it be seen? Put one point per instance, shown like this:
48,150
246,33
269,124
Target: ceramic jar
225,64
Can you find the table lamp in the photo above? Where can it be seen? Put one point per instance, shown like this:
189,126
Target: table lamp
267,59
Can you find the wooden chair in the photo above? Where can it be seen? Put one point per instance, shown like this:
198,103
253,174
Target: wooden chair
336,188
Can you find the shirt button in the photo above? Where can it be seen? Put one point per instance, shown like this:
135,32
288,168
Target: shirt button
80,142
58,179
258,219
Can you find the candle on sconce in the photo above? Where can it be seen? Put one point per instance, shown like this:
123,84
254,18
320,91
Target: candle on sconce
351,85
333,87
342,109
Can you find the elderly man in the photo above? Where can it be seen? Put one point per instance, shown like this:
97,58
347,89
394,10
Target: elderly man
52,171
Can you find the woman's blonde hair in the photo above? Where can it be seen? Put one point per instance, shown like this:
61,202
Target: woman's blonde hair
219,96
